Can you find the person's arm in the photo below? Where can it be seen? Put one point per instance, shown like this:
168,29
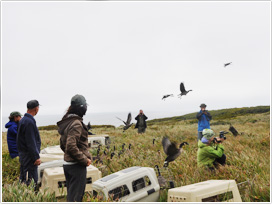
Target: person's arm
145,118
30,138
13,130
73,137
208,115
137,117
215,152
198,115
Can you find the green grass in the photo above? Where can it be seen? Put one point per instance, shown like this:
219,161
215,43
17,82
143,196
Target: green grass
248,155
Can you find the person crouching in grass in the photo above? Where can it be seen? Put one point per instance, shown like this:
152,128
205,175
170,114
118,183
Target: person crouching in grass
210,152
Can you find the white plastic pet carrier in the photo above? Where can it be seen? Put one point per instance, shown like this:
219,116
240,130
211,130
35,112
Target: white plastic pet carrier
45,165
134,184
96,140
50,157
207,191
53,180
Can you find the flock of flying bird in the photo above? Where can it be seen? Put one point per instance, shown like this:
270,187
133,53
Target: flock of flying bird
170,148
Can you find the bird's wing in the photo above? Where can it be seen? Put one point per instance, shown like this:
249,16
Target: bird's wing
121,120
128,119
169,148
172,149
182,88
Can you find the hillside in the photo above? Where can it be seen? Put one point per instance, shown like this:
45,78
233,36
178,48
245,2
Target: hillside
248,155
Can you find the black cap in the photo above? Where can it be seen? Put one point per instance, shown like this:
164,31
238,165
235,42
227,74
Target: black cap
32,104
203,105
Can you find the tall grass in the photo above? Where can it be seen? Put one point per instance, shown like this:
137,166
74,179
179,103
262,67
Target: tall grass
248,155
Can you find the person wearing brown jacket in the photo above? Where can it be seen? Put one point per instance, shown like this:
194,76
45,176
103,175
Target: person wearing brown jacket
74,144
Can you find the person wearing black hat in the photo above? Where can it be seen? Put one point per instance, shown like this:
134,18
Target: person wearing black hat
29,144
204,118
74,144
12,127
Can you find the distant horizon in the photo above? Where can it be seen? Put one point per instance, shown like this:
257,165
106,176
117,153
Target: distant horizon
108,117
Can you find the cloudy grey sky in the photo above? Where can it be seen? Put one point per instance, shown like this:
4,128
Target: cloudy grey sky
124,56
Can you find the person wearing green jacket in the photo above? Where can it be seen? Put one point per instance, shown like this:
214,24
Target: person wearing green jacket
210,153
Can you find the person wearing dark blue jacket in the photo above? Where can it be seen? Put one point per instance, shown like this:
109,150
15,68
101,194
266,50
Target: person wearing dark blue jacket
12,127
29,144
204,118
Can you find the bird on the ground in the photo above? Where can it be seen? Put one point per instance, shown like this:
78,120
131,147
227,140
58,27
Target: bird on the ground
171,150
129,146
166,96
127,123
161,179
153,141
123,149
182,90
233,131
226,64
112,154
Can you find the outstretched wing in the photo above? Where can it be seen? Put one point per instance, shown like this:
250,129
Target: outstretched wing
182,88
165,144
128,119
121,120
169,148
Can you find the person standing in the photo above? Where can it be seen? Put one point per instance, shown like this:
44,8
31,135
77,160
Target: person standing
74,144
204,118
29,144
141,122
12,127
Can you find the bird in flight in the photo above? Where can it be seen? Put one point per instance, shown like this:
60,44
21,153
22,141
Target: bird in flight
166,96
171,150
127,123
182,90
89,127
226,64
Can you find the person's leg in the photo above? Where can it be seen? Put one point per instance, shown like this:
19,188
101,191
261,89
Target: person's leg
199,136
77,182
221,160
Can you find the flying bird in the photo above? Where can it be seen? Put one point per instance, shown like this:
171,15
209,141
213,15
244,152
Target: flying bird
233,131
182,90
226,64
171,150
127,123
166,96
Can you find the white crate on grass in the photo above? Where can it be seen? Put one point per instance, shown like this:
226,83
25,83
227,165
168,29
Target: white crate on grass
54,180
56,150
50,157
45,165
96,140
134,184
207,191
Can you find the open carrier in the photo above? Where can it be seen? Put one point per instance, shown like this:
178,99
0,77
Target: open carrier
134,184
53,180
207,191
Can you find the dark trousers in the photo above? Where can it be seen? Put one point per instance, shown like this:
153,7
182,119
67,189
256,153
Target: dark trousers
75,181
221,160
27,167
141,129
199,135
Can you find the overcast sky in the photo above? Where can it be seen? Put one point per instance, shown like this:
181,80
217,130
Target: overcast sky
124,56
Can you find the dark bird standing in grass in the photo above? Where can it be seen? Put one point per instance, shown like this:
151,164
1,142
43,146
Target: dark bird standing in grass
166,96
226,64
161,179
171,150
127,123
182,90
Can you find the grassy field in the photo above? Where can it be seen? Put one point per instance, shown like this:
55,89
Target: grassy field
248,155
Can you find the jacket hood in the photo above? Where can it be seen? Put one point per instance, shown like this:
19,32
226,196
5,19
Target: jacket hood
66,121
9,124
